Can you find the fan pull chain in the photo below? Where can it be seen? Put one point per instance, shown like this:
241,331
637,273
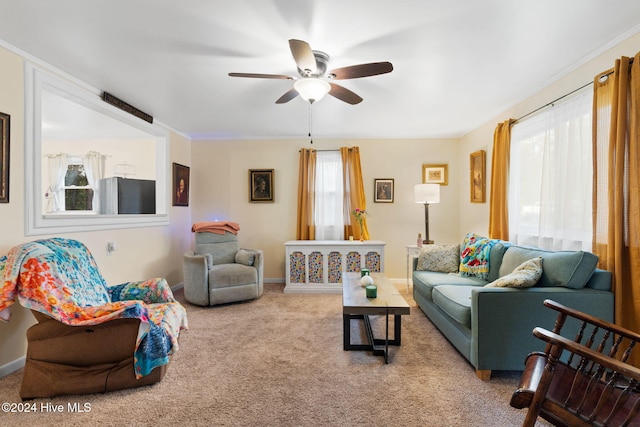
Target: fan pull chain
311,139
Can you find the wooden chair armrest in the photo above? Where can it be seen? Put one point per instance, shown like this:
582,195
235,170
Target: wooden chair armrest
591,355
603,324
533,369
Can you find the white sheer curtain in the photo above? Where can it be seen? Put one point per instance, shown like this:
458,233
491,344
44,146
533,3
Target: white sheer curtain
550,177
57,172
93,163
328,215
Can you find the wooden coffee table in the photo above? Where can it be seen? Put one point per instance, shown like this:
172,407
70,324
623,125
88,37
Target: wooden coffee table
356,305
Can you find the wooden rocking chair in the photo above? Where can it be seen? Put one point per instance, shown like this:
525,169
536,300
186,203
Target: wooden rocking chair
581,384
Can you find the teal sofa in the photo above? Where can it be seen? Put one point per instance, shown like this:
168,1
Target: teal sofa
492,326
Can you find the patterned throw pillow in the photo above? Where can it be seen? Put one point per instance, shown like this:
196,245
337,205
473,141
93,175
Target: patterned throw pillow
525,275
474,255
440,258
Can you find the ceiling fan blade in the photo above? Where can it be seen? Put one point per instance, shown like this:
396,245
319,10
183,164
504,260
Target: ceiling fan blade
288,96
344,94
303,55
362,70
261,76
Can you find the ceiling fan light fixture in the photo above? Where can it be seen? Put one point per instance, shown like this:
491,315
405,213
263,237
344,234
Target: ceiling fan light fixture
311,89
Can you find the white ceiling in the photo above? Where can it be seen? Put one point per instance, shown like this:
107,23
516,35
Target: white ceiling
457,63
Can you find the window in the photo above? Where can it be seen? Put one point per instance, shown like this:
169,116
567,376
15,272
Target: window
328,215
78,194
65,116
550,177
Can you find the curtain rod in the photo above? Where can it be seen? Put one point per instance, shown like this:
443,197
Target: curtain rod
562,97
335,149
552,102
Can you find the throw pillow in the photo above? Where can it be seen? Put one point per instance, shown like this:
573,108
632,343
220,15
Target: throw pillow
245,257
440,258
525,275
474,255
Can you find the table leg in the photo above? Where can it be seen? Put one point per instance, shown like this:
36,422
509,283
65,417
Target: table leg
346,331
386,339
379,346
408,256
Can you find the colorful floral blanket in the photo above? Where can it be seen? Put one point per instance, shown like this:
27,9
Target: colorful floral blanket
60,278
474,255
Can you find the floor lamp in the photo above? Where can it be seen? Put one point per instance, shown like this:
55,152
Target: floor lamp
427,194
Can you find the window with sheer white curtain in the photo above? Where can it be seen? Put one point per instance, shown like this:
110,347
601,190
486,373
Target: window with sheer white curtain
550,176
328,215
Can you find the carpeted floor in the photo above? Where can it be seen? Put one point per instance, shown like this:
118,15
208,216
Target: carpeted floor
278,361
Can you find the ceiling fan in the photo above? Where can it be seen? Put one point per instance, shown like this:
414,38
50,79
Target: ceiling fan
314,82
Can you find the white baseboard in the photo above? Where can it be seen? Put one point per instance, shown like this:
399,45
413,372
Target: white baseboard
402,280
11,367
313,289
281,280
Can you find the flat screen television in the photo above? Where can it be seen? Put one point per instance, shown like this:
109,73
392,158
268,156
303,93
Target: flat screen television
127,196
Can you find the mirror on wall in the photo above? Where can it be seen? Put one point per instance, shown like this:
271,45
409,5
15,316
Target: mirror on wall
91,165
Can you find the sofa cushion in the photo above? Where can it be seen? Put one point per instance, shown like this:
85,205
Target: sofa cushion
441,258
569,269
525,275
475,255
601,280
495,259
455,301
425,281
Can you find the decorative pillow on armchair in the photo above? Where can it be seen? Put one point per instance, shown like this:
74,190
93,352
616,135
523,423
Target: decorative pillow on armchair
525,275
245,257
440,258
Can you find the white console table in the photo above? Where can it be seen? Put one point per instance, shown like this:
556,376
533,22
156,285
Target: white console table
317,266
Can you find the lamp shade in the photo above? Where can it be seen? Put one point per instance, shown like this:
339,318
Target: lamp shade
426,193
311,89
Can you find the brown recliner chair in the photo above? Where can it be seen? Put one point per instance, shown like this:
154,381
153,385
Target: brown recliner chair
63,359
90,337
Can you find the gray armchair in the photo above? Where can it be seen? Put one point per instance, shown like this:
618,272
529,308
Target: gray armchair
219,272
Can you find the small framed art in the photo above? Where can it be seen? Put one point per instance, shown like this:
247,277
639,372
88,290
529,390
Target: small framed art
477,175
383,190
261,185
435,174
180,185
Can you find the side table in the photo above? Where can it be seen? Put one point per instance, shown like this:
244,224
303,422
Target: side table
413,251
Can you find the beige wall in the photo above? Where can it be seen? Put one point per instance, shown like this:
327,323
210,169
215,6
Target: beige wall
220,191
142,252
481,138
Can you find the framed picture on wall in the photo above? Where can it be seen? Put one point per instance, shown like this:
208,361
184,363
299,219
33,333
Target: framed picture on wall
477,175
383,190
4,157
261,185
435,174
180,185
